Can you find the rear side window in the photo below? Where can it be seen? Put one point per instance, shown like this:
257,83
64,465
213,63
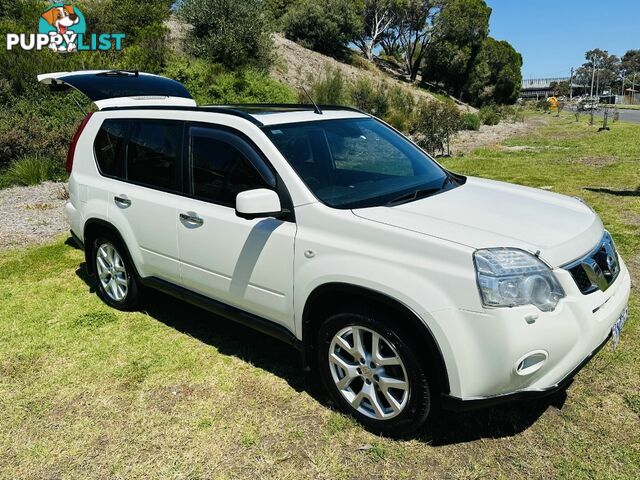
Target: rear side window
108,147
222,165
153,153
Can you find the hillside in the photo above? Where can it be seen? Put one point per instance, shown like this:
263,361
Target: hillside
298,66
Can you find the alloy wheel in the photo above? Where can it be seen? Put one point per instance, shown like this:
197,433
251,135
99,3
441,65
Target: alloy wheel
368,372
112,272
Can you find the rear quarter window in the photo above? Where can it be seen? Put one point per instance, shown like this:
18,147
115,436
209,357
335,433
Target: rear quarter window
108,147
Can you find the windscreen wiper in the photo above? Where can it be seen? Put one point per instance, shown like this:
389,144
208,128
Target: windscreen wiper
418,193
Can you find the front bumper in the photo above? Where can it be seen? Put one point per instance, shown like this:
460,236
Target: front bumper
485,348
450,402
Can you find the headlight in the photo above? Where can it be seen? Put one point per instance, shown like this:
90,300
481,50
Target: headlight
509,277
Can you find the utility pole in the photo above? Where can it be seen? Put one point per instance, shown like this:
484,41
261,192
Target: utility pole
633,87
571,85
593,73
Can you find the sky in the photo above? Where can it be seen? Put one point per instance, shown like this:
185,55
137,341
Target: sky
553,35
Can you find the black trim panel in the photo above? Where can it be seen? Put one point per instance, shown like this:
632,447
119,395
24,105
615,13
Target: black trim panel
457,404
232,313
76,239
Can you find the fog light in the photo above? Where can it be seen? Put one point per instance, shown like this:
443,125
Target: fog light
531,362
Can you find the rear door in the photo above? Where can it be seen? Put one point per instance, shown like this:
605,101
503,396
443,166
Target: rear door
147,179
119,88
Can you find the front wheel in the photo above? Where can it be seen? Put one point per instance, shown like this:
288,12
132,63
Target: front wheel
373,374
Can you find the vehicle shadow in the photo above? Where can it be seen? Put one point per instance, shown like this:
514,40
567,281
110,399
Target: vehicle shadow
618,193
262,351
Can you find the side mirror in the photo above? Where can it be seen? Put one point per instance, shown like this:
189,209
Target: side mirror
259,203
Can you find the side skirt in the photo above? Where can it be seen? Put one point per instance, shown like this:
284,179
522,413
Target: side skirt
231,313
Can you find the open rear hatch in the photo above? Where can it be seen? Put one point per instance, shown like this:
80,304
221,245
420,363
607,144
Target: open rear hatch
119,88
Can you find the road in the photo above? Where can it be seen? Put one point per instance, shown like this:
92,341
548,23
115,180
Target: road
627,115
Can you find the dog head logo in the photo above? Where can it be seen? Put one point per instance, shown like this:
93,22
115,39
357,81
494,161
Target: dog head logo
63,23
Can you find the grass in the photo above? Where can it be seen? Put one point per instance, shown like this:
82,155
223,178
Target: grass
172,392
31,170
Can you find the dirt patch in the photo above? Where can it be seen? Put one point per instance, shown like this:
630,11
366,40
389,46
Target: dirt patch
32,215
493,135
595,161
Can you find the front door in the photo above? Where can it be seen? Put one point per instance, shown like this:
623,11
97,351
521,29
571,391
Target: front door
244,263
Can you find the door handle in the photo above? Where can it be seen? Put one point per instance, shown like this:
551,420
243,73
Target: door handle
191,218
122,201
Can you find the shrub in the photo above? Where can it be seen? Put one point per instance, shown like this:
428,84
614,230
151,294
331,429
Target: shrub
490,115
234,33
326,27
402,108
211,83
436,122
370,97
32,170
470,121
331,89
37,123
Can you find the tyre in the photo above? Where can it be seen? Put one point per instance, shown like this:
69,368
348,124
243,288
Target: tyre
116,279
371,370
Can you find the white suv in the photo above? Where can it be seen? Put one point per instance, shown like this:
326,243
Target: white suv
405,286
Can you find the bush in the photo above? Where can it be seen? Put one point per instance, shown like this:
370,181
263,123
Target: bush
234,33
325,27
37,123
470,121
32,170
402,108
211,83
490,115
331,89
435,124
370,97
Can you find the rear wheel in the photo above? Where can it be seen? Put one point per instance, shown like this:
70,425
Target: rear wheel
117,285
372,372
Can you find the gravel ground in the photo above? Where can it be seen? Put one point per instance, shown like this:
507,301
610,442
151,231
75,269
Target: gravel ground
32,215
466,141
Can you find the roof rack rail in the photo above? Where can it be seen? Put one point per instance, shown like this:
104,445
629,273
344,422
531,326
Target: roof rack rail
287,106
211,109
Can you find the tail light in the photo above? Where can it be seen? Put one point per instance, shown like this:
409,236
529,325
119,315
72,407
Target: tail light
74,141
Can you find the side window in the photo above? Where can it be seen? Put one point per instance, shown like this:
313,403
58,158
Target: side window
220,167
153,153
108,147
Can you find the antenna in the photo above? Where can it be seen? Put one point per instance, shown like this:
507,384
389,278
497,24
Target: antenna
316,109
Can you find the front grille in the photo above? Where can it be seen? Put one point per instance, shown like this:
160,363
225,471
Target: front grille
598,269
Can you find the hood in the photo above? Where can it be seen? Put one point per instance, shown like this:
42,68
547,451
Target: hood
485,213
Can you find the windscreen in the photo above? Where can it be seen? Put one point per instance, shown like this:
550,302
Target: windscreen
355,163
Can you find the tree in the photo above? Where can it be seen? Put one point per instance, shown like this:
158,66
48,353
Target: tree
377,17
630,68
496,76
326,27
561,89
234,33
414,24
128,16
600,67
630,63
462,27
